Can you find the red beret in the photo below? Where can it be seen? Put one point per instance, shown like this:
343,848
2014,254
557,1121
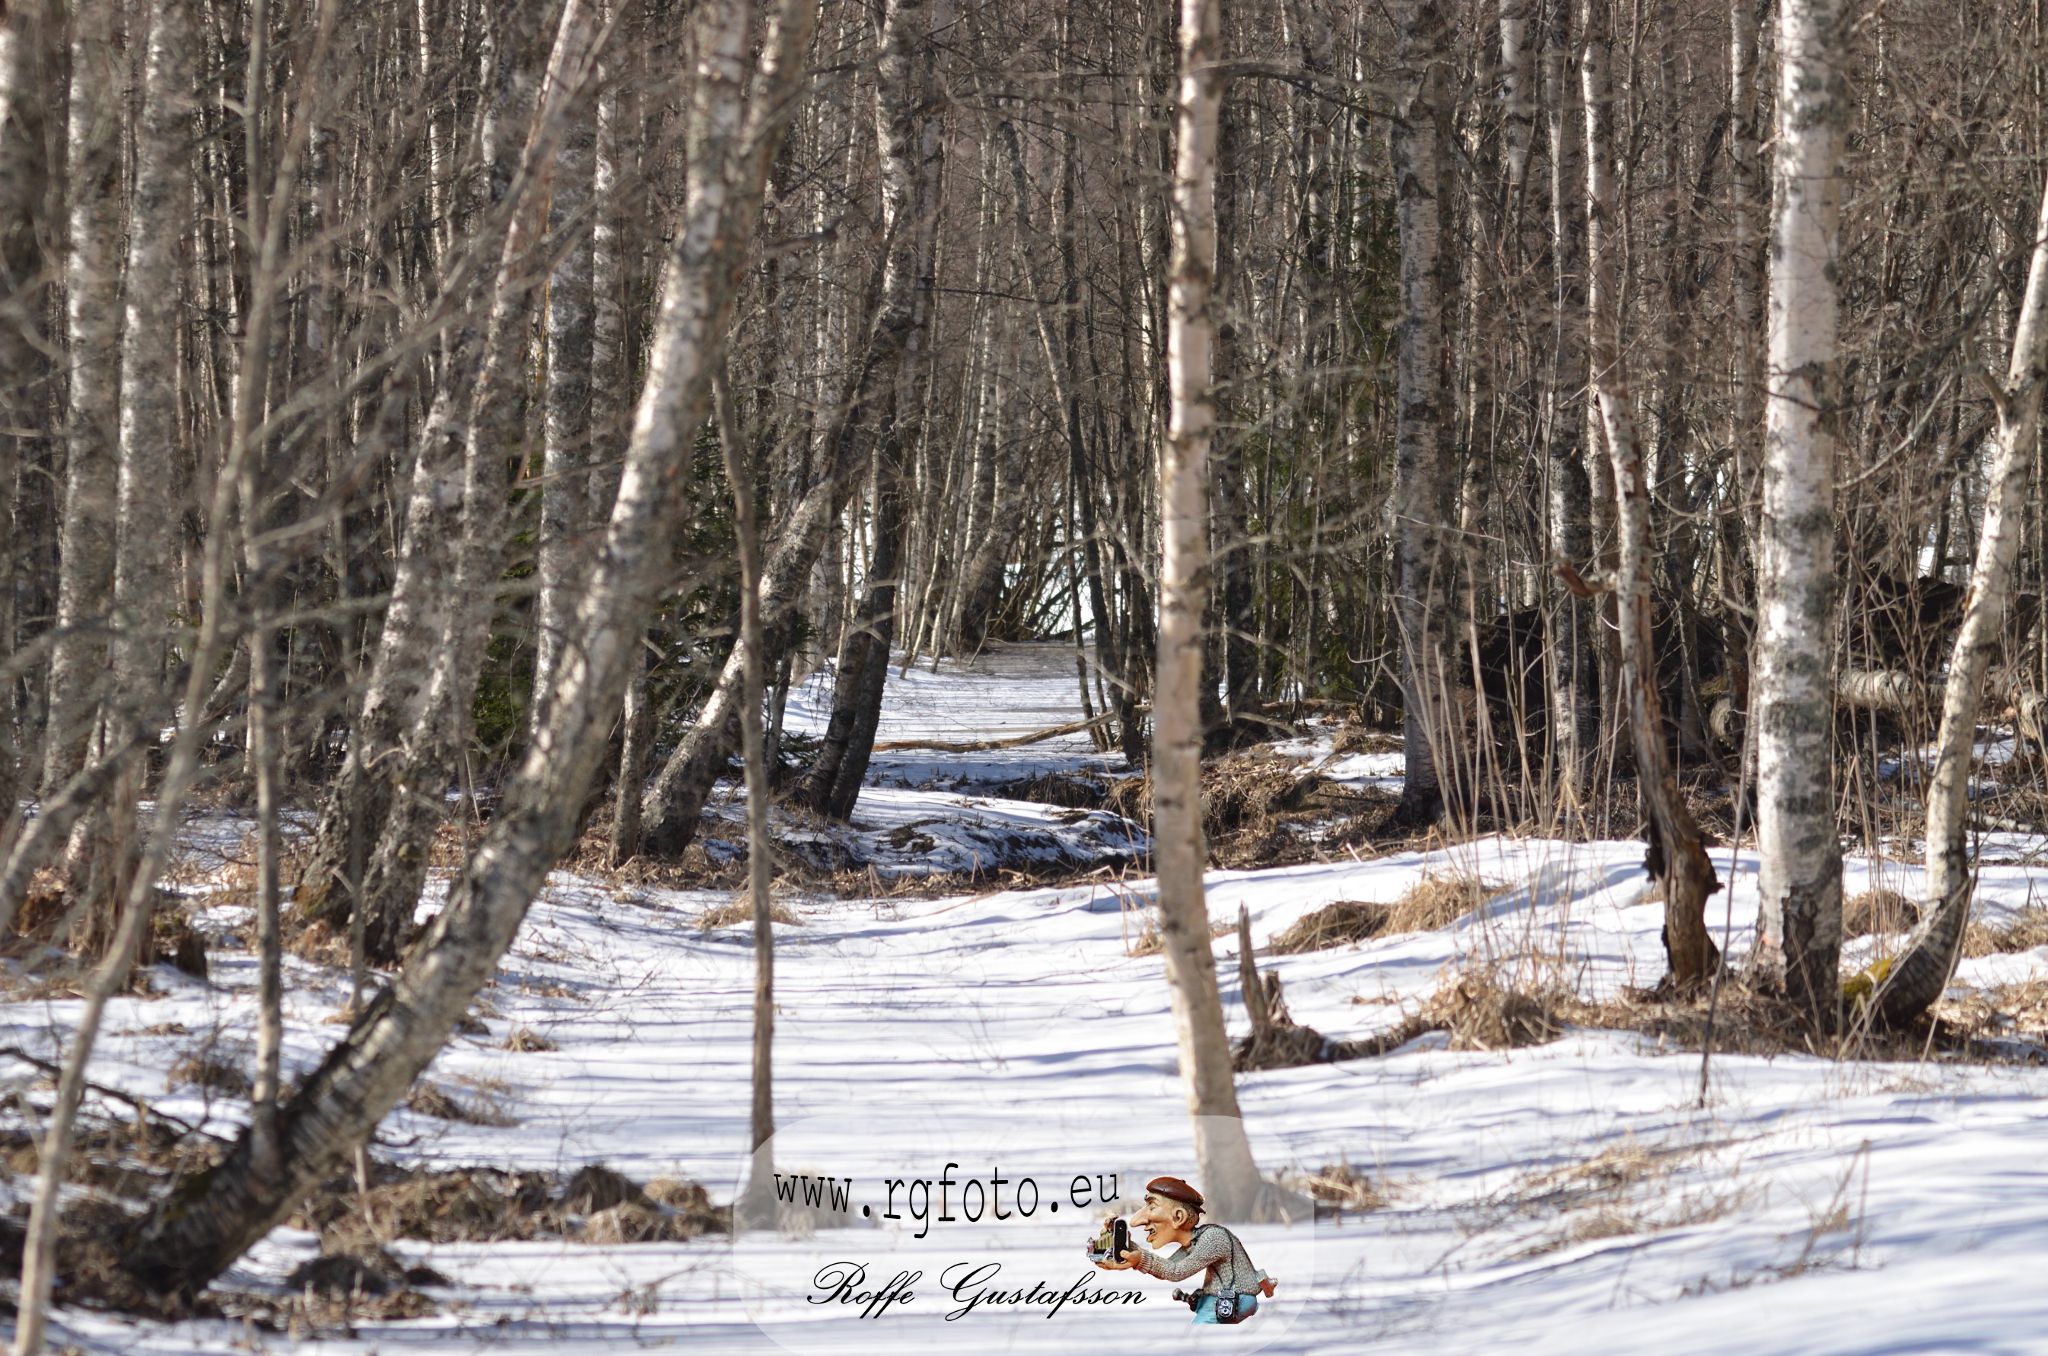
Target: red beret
1173,1189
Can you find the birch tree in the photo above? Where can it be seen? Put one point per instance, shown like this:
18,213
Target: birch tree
1676,856
209,1219
1230,1179
1800,860
1911,984
1424,500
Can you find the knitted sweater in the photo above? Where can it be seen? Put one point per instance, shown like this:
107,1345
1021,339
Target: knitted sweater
1213,1249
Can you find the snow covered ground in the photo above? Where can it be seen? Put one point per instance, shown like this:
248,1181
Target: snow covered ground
1568,1197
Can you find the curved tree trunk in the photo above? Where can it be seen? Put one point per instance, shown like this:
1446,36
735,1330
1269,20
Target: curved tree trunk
1676,856
1922,971
910,153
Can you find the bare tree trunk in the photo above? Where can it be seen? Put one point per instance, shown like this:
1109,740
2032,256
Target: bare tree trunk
1676,856
452,627
167,27
1518,85
92,281
204,1222
1574,709
1424,502
1800,923
739,478
1223,1154
911,154
23,33
565,517
1916,979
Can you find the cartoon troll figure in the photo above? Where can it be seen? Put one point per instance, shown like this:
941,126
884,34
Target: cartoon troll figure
1231,1285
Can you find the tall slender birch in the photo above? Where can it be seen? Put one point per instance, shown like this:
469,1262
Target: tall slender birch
565,498
204,1222
92,289
1424,500
1791,691
1922,970
1229,1177
1676,855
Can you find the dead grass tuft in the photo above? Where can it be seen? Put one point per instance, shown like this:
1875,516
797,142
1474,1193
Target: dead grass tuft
1483,1009
1151,942
739,912
1878,913
633,1223
1437,901
92,1237
1341,1189
526,1041
208,1068
2027,930
1336,924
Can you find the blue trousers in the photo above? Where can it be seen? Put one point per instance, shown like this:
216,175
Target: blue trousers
1205,1309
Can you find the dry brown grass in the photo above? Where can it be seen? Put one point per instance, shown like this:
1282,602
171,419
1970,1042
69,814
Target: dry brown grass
1621,1191
2025,931
1255,806
208,1068
1341,1189
526,1041
1339,923
2000,1010
1483,1008
740,913
1439,900
1878,913
1151,942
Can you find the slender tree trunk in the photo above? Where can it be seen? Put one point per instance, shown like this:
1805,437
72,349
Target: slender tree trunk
1223,1155
565,519
23,34
739,479
167,22
207,1220
1574,709
92,282
1676,856
1916,979
1424,502
1791,693
910,154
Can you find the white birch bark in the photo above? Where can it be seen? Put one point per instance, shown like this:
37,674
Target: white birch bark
205,1222
167,22
1675,856
1230,1179
1800,925
1916,979
1574,711
1423,504
92,283
565,519
739,480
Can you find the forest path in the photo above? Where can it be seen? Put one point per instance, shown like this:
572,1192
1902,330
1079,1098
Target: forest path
1560,1198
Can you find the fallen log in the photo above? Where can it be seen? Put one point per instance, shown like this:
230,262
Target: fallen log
984,745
